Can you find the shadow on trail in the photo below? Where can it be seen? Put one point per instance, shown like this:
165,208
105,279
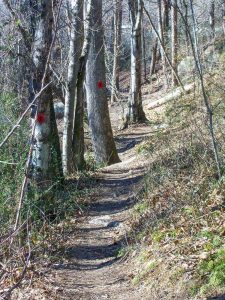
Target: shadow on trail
120,182
117,198
110,207
88,267
94,252
93,257
127,143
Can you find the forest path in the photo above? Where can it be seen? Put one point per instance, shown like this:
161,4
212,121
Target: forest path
92,269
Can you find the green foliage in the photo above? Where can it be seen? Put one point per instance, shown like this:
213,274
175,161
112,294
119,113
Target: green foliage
213,271
158,236
12,158
141,208
122,252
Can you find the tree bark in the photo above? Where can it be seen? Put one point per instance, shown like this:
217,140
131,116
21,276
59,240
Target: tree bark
154,57
162,37
223,17
163,48
74,54
97,106
212,17
117,43
45,163
136,112
78,134
143,38
174,40
166,19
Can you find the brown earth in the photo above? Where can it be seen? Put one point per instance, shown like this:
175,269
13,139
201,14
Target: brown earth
93,268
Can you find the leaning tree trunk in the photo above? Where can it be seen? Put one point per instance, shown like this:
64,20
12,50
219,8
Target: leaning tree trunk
45,163
117,43
135,112
98,112
174,39
74,54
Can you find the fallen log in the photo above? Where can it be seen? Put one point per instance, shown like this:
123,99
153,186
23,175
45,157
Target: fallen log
175,94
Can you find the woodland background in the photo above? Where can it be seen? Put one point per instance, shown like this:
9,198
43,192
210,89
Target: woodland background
65,67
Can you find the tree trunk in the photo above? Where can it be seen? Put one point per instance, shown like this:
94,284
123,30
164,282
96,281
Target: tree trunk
186,30
223,16
117,43
135,113
144,52
78,134
174,39
154,57
45,158
163,48
74,54
162,37
166,20
97,106
212,17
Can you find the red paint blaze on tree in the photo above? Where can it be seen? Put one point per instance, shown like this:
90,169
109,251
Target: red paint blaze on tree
40,118
100,84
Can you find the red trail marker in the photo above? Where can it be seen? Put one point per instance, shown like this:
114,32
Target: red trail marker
40,118
100,85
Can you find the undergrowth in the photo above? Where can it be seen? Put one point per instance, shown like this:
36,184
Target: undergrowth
44,224
179,222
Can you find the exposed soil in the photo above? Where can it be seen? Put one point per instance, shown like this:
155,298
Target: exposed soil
94,269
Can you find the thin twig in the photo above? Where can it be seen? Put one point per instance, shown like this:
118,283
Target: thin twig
7,163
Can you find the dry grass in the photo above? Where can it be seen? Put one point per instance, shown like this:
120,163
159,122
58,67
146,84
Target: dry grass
179,225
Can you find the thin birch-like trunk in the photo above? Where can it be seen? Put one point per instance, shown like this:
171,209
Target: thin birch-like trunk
143,45
154,56
136,112
174,40
212,17
163,48
117,43
74,54
223,17
162,38
78,133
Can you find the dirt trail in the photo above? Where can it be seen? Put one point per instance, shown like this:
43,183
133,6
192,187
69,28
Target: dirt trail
93,270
